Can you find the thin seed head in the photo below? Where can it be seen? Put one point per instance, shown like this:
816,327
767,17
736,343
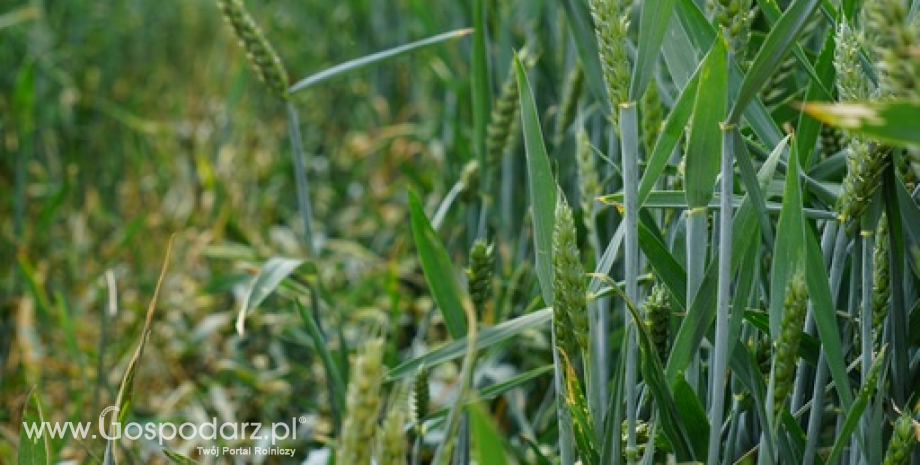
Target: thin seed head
503,123
881,277
658,320
735,17
479,274
421,396
611,22
865,164
469,180
787,344
902,440
588,183
852,82
569,302
363,405
392,448
259,50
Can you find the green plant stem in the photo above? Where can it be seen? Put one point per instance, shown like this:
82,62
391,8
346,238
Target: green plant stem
697,232
629,127
866,341
300,177
599,310
720,357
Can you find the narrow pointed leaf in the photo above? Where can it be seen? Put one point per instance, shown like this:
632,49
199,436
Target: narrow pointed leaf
705,137
653,23
771,53
126,390
33,449
439,270
670,135
375,58
482,95
789,242
488,337
541,183
582,29
855,412
825,314
487,440
671,413
270,276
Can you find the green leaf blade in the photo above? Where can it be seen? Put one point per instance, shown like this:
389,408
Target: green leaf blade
541,182
705,138
439,270
373,59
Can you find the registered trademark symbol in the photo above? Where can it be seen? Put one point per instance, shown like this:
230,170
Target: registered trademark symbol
302,419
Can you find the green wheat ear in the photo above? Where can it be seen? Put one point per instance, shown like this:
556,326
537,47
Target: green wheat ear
611,22
881,277
865,161
658,320
570,314
735,17
363,405
787,344
392,446
479,274
503,122
588,183
420,399
902,440
259,50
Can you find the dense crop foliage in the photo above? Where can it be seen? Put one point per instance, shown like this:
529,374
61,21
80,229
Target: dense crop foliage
552,231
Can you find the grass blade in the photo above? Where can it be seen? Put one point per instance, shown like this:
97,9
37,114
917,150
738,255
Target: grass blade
670,135
582,29
653,23
488,337
825,315
789,243
33,449
778,41
126,391
704,140
482,95
270,276
332,370
855,413
373,59
666,267
487,444
439,270
671,412
542,185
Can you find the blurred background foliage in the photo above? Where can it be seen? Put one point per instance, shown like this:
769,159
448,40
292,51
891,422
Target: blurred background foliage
122,123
